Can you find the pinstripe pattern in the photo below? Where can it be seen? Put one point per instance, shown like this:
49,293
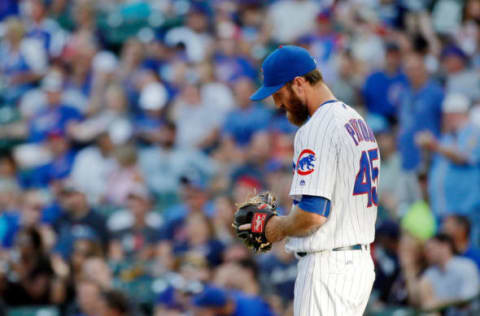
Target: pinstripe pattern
336,165
333,283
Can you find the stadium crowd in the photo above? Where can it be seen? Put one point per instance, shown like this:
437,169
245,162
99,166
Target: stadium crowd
127,137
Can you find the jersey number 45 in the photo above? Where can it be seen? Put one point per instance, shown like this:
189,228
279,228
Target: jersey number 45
367,176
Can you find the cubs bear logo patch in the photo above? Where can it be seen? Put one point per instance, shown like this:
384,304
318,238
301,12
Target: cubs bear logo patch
305,162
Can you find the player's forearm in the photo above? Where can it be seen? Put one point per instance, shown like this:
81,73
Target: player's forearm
297,224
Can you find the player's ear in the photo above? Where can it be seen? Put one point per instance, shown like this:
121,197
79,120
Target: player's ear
298,85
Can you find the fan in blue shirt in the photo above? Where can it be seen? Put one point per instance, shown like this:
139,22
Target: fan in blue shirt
455,172
383,88
242,123
420,110
231,303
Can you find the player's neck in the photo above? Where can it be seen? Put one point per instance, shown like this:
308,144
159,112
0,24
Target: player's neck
319,95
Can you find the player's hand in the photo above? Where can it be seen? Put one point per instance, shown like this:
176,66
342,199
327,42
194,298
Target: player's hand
251,219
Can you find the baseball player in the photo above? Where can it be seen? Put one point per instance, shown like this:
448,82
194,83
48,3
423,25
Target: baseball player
334,188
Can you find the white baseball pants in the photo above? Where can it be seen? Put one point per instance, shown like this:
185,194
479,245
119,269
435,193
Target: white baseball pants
333,283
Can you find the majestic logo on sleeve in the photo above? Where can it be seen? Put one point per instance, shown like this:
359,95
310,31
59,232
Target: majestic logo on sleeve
305,161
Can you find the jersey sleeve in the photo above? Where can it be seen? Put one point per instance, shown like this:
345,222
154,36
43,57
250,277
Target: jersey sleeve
316,160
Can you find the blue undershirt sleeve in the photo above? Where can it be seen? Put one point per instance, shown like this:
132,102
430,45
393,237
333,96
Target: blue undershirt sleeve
315,204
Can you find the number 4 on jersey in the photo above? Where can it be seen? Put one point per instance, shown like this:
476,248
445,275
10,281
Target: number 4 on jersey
367,175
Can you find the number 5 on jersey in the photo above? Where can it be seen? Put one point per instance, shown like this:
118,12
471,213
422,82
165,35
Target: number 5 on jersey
366,176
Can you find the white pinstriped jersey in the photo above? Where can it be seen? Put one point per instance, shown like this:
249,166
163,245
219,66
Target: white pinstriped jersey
336,157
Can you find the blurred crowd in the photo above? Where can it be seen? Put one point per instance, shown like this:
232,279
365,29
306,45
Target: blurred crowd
127,137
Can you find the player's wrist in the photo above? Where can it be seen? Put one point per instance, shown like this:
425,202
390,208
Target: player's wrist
272,231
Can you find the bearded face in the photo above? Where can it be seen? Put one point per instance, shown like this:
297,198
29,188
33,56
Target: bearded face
297,111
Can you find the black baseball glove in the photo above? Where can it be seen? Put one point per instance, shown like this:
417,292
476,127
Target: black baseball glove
257,211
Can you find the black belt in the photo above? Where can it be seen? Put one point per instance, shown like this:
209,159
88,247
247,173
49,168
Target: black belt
354,247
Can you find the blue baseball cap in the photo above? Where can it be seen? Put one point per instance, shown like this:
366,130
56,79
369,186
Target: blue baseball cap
211,297
282,66
453,50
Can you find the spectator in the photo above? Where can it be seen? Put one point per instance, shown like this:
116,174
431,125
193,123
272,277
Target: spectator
345,86
114,113
135,230
458,228
383,88
453,189
115,303
214,92
195,200
9,213
221,220
197,122
78,219
420,109
8,168
229,63
149,124
278,271
32,215
460,80
388,190
176,295
96,269
89,299
83,12
325,42
412,261
256,159
20,60
93,166
366,44
251,24
63,157
241,275
194,36
55,116
83,250
387,262
195,267
164,164
125,175
241,124
200,239
131,57
45,30
34,282
79,58
287,20
221,302
448,278
467,34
